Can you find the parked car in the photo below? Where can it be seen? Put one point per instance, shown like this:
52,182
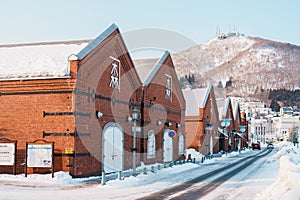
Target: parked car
256,145
270,146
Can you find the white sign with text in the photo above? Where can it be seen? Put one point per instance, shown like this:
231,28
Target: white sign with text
39,155
7,153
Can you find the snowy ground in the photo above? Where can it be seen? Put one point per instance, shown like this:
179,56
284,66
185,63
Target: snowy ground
276,176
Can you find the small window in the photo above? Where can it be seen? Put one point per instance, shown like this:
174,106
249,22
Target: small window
180,144
151,145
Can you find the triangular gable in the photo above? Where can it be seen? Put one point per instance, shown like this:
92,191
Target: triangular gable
93,44
205,98
194,100
227,105
120,49
214,105
228,112
158,65
166,58
220,106
237,115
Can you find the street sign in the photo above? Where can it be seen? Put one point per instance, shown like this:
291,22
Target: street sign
137,129
172,133
68,150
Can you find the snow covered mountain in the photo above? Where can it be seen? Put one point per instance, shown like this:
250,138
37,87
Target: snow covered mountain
253,64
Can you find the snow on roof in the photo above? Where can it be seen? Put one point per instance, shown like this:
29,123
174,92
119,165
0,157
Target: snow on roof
50,59
194,100
37,59
235,107
220,105
228,101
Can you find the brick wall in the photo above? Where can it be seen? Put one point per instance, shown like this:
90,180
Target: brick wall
64,110
159,108
27,111
95,93
197,137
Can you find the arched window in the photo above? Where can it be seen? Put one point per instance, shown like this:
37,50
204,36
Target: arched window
180,144
151,145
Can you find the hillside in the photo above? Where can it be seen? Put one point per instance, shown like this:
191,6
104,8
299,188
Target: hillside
253,64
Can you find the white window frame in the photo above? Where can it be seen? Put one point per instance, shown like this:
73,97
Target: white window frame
151,151
180,140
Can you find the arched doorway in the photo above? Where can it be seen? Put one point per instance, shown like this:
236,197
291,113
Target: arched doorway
113,146
167,147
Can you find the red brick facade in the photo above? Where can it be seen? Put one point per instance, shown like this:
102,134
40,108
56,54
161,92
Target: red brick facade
33,109
158,109
198,136
63,110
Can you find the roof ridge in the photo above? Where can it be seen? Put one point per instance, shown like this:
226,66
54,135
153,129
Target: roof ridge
156,68
95,42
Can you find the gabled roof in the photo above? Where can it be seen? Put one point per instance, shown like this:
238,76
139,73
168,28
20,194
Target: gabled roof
195,99
221,105
204,101
97,41
228,101
235,107
156,68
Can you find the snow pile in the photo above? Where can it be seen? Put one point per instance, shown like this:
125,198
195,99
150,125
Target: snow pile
60,179
285,148
194,154
287,183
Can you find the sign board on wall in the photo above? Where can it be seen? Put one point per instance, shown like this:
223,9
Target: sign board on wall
172,133
69,150
39,155
7,153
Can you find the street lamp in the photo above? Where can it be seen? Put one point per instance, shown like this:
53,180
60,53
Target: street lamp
243,130
234,133
224,124
135,115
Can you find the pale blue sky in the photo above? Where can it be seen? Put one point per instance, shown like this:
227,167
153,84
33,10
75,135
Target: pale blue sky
25,21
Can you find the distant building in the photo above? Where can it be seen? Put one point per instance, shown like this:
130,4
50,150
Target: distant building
284,126
202,120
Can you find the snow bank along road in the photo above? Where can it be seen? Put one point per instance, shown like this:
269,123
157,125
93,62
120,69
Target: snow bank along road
206,183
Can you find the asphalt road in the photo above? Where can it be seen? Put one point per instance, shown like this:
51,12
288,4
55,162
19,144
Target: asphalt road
197,187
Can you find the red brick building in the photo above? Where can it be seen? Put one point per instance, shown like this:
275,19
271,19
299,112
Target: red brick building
240,127
227,143
84,110
202,120
163,114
